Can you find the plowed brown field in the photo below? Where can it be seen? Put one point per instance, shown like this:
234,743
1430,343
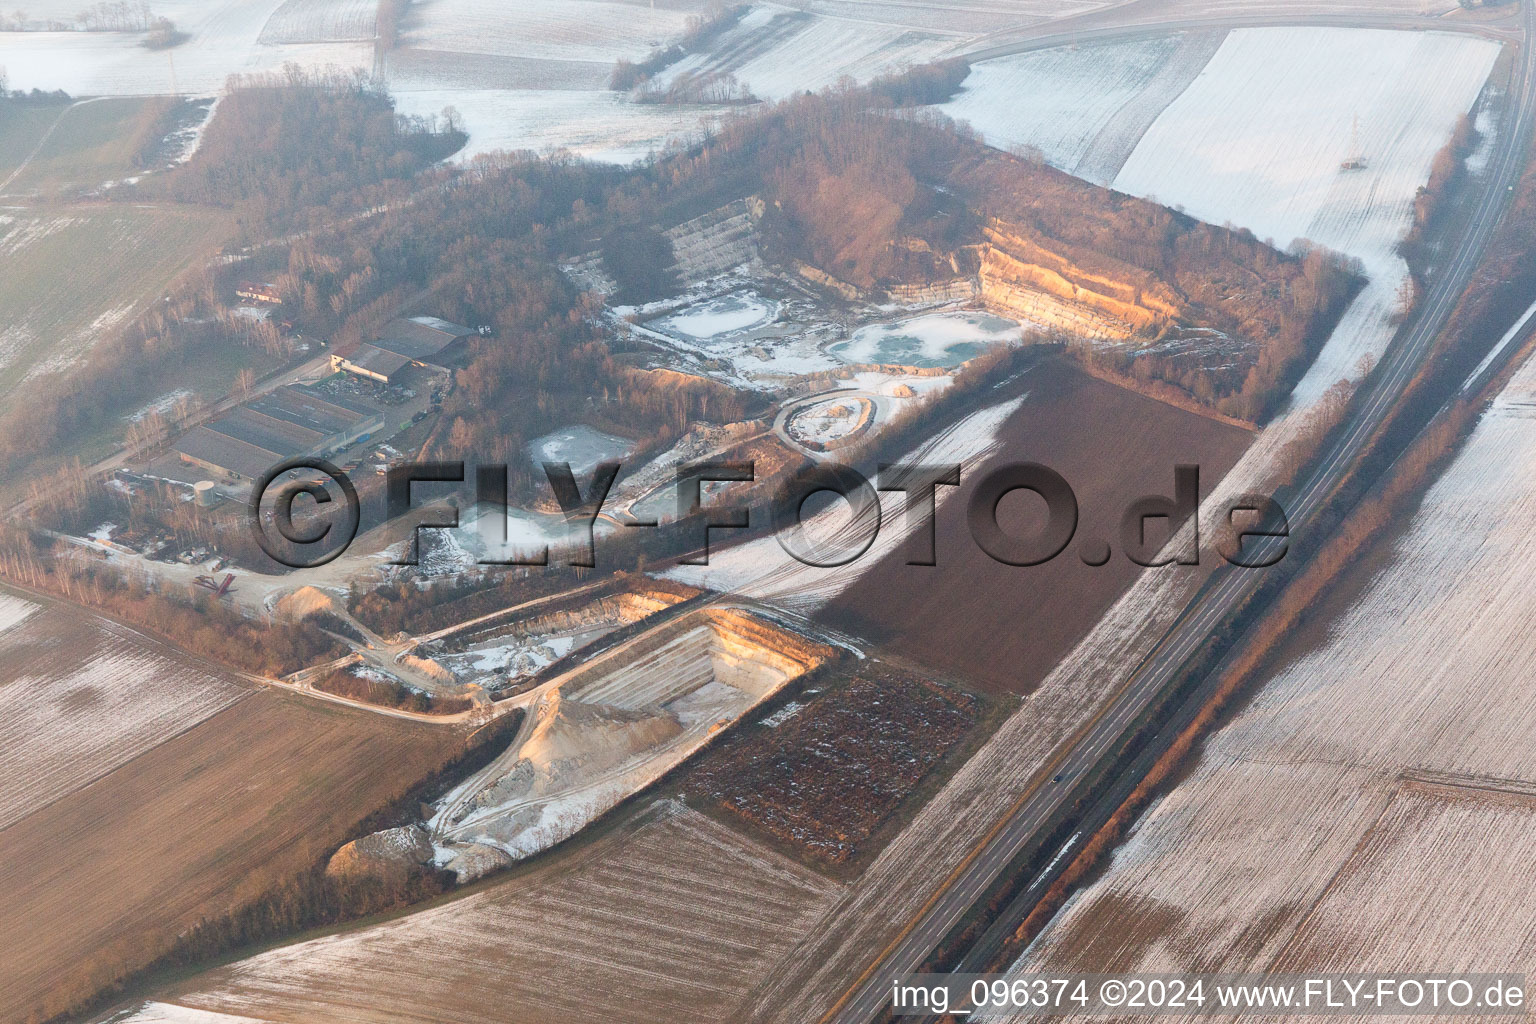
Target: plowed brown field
1001,627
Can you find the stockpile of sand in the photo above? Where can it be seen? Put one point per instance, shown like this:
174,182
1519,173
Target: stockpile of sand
304,602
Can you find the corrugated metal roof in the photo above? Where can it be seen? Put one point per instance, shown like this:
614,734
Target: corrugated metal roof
303,406
216,449
376,360
291,420
420,337
268,432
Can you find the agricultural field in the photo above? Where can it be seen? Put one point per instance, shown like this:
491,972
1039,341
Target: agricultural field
668,916
776,53
81,696
1112,446
533,76
68,273
598,125
89,145
144,791
23,127
974,17
321,21
14,611
1401,8
1087,106
594,31
224,38
1285,101
1387,754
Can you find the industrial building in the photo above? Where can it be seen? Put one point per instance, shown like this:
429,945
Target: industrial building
290,421
416,341
258,291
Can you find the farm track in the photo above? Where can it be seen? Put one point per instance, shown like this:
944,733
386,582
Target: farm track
1228,588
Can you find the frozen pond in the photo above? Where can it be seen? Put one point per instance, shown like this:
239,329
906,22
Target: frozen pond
725,314
931,340
582,446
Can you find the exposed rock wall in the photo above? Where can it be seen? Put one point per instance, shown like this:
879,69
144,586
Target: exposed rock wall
959,290
1044,286
718,241
825,280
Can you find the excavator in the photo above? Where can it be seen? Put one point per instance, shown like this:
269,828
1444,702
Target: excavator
218,588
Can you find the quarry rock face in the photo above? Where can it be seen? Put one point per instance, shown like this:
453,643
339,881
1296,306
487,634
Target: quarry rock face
389,855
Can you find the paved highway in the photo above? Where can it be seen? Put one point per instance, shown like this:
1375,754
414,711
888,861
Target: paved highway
1225,592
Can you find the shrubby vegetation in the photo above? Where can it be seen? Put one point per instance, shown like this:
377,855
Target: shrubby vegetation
389,693
1429,202
702,30
639,259
302,147
163,35
201,625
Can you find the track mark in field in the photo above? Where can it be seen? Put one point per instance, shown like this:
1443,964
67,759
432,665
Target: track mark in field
44,141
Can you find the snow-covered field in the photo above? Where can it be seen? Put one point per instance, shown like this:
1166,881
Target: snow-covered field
14,611
321,21
672,921
225,39
1084,107
1258,138
1395,757
928,341
79,696
777,51
596,31
598,125
170,1013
